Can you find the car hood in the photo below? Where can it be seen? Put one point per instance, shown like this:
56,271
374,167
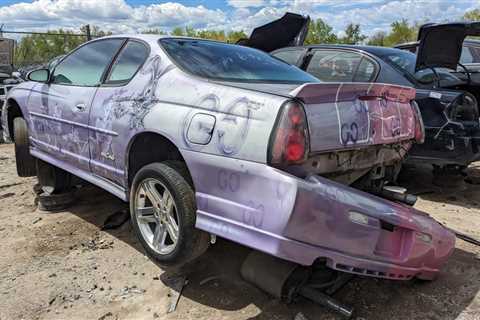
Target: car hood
289,30
440,45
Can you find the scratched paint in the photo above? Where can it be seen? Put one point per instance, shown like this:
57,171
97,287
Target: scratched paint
239,196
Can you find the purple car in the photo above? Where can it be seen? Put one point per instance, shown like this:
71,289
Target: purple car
205,138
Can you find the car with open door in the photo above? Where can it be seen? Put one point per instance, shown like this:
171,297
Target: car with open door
447,94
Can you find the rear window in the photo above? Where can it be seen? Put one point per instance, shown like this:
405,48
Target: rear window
227,62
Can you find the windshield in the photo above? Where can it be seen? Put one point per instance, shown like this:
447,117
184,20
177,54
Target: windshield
405,61
221,61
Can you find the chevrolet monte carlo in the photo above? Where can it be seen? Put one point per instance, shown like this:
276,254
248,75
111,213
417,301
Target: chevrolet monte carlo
206,138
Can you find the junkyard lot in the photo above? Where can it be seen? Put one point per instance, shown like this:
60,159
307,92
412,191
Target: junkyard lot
63,266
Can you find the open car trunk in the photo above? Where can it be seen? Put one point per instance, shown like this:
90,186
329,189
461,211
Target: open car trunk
440,45
289,30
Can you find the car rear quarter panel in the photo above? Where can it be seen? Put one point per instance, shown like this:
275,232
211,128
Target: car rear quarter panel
163,99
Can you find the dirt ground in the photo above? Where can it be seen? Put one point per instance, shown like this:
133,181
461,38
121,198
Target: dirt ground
64,266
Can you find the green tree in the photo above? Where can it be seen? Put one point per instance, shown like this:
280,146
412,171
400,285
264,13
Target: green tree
401,32
353,35
178,32
234,36
473,15
377,39
320,32
154,31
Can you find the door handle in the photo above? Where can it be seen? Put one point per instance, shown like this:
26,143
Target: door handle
81,107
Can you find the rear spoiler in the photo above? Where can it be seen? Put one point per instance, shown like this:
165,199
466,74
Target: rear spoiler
315,93
289,30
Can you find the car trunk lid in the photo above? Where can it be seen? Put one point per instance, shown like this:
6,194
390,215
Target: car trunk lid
344,116
289,30
440,45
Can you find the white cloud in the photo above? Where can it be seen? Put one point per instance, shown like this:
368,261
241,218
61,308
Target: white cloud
118,16
113,15
246,3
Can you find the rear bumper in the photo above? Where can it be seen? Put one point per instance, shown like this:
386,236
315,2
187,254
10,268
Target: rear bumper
359,233
306,220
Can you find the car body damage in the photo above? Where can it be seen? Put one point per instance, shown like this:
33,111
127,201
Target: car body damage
450,101
261,154
448,105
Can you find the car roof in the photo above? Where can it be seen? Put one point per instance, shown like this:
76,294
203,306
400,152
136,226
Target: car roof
373,50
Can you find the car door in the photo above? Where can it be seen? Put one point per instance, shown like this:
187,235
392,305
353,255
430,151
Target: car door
59,109
119,103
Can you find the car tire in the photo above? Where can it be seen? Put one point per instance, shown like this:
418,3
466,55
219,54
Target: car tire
52,179
25,162
165,226
55,202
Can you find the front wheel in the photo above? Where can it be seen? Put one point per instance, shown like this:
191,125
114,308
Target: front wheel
25,161
163,212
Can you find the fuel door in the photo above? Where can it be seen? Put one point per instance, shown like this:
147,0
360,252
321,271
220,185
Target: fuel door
200,129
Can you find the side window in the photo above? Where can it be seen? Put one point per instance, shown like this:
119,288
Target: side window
365,72
334,66
290,56
475,51
85,66
128,62
466,56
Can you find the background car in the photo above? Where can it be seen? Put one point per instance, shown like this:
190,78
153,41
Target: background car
447,101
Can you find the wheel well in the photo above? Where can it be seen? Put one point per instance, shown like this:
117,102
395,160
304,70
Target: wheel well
14,111
150,147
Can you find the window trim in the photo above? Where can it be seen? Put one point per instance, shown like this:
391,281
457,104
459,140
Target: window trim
50,81
361,53
121,83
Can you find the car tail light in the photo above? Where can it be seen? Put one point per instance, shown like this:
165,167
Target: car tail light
289,142
419,126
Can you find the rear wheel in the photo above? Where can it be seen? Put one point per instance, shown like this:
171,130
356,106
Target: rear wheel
25,161
163,211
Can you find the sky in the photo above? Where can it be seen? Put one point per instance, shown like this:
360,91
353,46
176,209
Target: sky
127,16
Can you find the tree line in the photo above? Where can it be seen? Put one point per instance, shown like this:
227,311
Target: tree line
36,48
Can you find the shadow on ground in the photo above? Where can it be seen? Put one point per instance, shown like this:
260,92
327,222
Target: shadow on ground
215,281
419,181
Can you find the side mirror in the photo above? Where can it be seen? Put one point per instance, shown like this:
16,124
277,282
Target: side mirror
40,75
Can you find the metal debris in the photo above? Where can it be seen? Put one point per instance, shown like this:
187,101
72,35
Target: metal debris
176,287
37,220
129,291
